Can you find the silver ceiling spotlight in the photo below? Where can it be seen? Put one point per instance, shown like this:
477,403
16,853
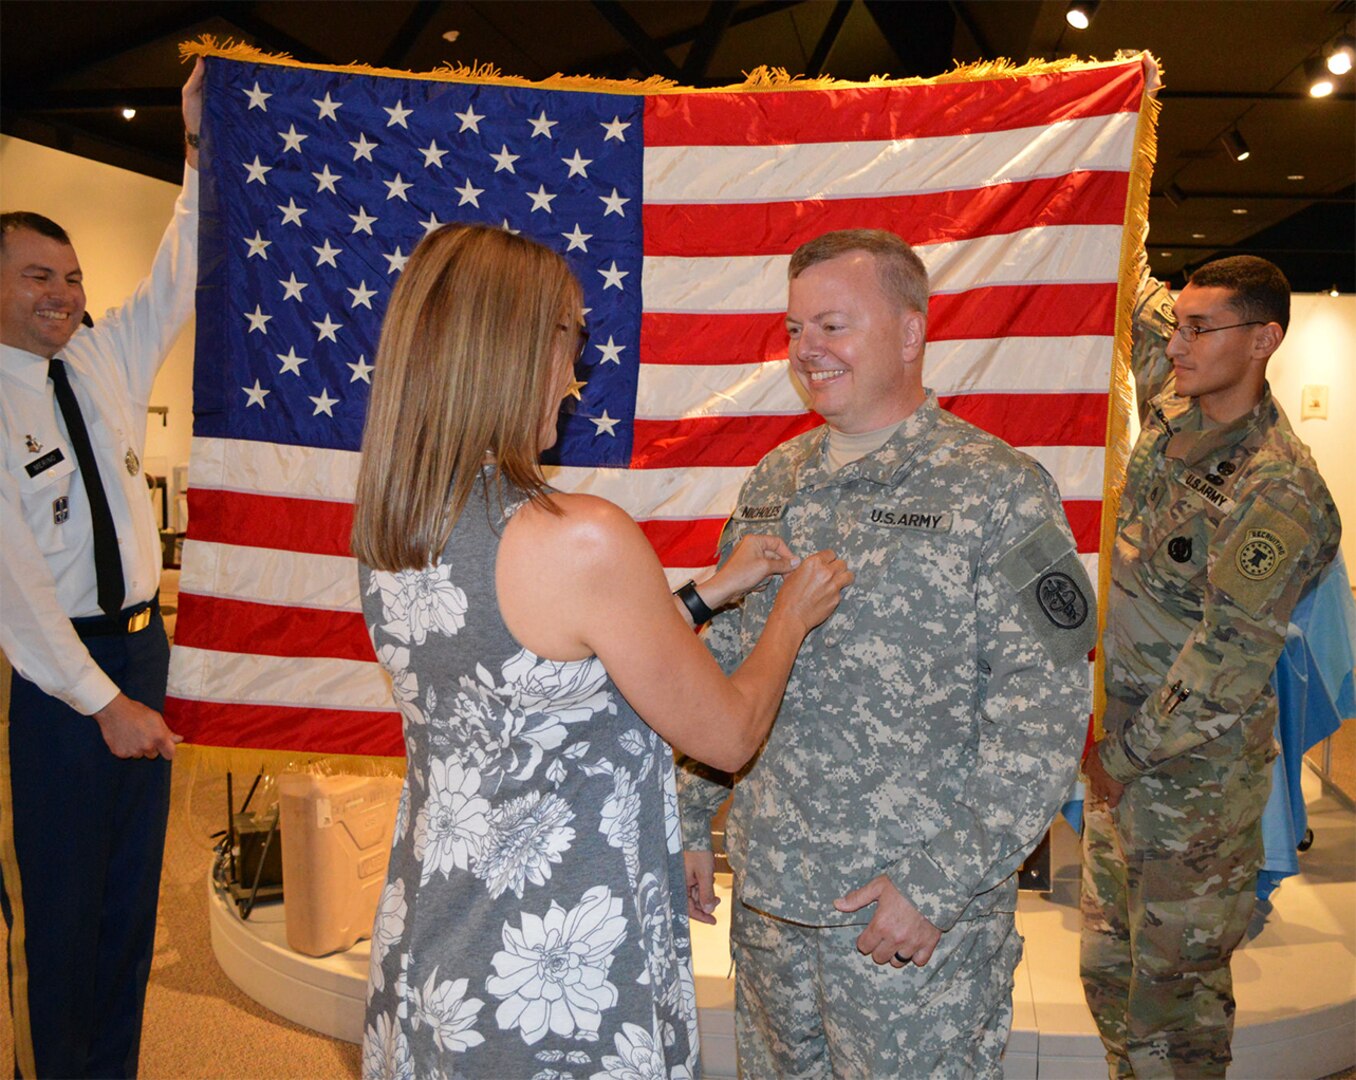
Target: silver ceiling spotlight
1233,142
1321,81
1079,13
1342,55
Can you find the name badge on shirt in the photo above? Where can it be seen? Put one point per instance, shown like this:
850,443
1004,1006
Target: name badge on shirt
1207,491
910,519
770,512
47,461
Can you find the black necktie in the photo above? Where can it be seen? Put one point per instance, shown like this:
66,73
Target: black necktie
107,560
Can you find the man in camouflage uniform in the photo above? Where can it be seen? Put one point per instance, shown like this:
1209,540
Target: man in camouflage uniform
1224,522
931,726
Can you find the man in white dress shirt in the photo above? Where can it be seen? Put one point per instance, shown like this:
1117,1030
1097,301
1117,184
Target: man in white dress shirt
84,751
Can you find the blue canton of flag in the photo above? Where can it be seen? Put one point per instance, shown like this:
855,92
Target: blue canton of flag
318,185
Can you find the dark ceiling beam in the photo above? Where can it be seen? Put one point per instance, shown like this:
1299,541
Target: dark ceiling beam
73,140
815,66
921,34
101,100
968,21
415,23
1244,245
1267,196
652,59
266,36
1247,95
698,58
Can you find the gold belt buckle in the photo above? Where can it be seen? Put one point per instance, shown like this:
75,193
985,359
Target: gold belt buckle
139,621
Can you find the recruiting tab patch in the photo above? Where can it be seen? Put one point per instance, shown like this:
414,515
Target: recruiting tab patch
1259,558
1260,554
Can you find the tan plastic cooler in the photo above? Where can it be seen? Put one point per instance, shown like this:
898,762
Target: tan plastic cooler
336,840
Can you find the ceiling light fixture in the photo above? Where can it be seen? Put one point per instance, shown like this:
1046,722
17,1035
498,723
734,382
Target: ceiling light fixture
1295,176
451,35
1079,13
1333,292
1174,195
127,114
1321,82
1198,236
1233,142
1342,55
1240,211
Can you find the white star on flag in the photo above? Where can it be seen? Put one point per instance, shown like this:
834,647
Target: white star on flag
256,395
541,125
258,320
363,295
540,199
612,277
432,155
509,228
258,246
326,329
504,160
470,120
398,115
256,171
432,223
291,361
611,351
614,130
291,139
361,370
327,107
396,260
291,213
325,180
604,424
324,403
614,203
326,254
362,221
395,189
578,239
578,165
469,194
257,98
362,148
292,287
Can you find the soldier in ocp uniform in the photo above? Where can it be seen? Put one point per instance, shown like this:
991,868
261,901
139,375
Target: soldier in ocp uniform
1224,523
930,728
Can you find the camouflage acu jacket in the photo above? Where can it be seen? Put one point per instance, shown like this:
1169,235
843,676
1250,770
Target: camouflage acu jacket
931,727
1220,532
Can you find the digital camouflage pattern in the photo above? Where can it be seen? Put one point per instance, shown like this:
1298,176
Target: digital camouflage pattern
949,1018
931,726
1220,532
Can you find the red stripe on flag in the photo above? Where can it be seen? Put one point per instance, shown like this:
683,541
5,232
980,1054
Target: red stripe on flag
1085,522
311,526
242,626
697,230
695,542
998,311
285,727
896,112
684,543
1035,419
713,440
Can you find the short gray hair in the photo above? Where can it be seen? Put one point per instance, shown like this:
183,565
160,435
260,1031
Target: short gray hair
903,277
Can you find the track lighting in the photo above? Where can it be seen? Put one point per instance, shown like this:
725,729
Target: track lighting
1320,79
1233,142
1079,13
1342,55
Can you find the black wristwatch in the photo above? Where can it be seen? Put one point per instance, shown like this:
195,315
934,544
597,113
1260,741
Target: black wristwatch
695,605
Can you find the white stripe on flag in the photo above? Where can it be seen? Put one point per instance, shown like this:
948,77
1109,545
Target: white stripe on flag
262,468
210,675
270,576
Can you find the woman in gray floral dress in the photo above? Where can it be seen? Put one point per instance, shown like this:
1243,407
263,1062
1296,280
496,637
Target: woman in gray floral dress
533,922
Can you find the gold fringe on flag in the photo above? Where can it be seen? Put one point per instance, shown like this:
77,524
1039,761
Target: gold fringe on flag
244,760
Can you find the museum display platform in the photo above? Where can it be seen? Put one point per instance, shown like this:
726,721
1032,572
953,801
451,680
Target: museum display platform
1295,978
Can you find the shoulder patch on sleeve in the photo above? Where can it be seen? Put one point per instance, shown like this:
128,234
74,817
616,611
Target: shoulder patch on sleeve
1052,591
1259,558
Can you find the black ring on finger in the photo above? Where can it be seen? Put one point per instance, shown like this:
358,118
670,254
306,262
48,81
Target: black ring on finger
903,959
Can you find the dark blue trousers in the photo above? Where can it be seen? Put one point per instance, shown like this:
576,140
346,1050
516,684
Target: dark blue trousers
88,835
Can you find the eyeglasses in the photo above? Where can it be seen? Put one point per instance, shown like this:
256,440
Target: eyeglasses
1191,333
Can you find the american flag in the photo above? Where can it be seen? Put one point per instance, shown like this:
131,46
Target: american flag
678,212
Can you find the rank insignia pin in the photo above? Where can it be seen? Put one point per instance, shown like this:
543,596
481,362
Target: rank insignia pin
34,447
132,462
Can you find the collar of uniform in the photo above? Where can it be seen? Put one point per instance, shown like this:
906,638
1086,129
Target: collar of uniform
883,465
26,368
1192,444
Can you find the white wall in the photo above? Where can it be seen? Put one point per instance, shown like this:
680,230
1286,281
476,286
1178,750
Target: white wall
1320,349
115,220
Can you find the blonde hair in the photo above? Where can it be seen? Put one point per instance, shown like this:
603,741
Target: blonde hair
901,273
463,370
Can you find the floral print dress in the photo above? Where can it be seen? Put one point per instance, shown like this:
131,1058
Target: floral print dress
533,922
